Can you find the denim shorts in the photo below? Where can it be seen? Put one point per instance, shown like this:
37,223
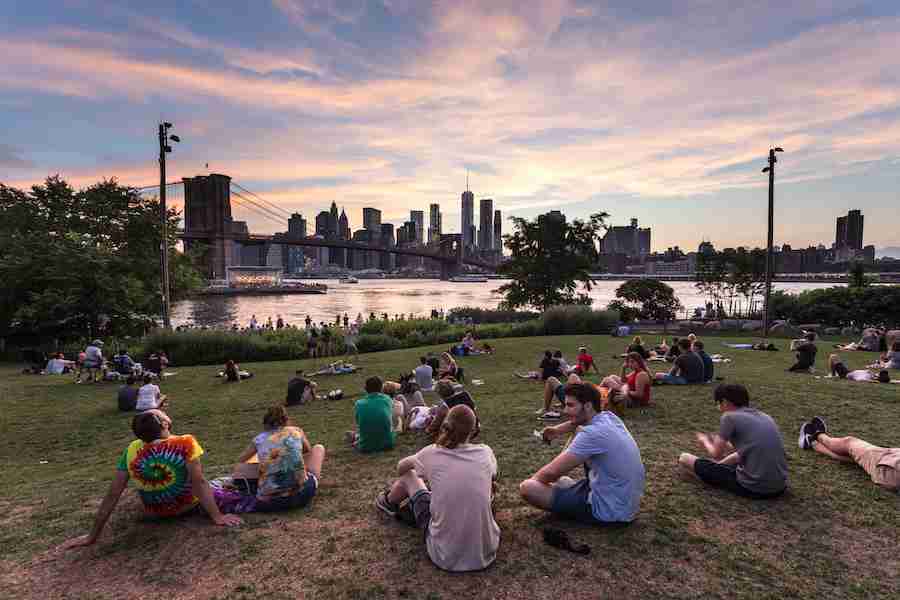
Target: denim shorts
572,503
299,499
421,508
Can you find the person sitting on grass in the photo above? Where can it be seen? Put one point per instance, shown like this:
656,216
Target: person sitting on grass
128,395
451,395
614,482
563,364
584,362
747,456
285,471
454,507
300,390
124,365
709,369
448,367
555,389
869,342
806,354
881,464
410,394
675,350
634,384
637,345
149,396
891,358
58,365
424,375
549,367
93,362
374,419
166,470
688,367
233,374
156,363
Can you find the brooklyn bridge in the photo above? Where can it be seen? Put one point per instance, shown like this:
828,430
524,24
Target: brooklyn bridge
208,221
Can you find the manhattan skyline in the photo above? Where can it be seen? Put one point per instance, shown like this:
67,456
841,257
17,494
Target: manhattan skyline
664,115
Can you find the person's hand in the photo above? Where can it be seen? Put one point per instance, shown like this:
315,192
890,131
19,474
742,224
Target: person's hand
228,521
79,542
705,440
548,434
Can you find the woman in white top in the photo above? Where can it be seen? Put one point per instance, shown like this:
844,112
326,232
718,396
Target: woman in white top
149,396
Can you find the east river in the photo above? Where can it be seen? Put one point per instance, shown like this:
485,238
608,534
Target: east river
392,296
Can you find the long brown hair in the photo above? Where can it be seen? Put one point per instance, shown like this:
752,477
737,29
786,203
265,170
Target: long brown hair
457,427
642,366
276,417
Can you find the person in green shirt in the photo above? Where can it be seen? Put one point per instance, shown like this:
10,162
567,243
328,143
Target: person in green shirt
374,413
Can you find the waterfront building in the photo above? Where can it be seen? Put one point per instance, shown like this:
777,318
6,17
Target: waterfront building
467,218
322,223
418,217
387,261
486,224
372,220
849,231
297,226
630,240
498,233
434,223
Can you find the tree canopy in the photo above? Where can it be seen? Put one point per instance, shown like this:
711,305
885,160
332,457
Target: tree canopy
84,261
646,299
550,257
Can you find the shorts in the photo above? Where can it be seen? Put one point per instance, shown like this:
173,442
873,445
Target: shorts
725,477
420,503
560,392
673,379
840,369
877,463
298,499
573,502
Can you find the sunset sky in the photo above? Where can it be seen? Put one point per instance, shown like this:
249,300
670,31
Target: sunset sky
662,111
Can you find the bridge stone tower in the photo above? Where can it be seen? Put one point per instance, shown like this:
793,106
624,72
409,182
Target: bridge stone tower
451,245
207,214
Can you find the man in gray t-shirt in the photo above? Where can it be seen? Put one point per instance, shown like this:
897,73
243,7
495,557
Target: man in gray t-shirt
688,367
747,456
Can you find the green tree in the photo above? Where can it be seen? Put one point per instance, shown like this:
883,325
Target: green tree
83,261
646,299
550,257
856,276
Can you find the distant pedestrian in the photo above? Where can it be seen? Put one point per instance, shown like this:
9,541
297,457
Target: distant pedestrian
279,324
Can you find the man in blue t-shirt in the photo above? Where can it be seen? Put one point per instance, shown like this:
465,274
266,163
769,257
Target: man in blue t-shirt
612,490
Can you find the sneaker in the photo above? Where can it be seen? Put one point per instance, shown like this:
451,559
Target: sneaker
552,414
805,439
539,411
819,426
384,505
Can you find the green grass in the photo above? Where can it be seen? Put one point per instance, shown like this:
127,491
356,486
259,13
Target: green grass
833,534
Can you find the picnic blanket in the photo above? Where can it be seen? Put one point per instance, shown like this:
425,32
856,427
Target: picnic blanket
739,346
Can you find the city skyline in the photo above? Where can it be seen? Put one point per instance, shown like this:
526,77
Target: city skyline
658,114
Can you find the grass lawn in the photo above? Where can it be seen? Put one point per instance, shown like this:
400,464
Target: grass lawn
833,534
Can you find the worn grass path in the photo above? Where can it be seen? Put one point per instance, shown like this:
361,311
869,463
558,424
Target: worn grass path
834,534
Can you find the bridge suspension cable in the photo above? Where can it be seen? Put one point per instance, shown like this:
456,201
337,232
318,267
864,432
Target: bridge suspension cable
269,204
255,208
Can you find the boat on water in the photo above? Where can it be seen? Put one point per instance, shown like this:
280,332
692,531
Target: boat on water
469,279
348,279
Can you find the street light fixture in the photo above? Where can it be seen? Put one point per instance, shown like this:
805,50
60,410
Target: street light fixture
164,148
770,266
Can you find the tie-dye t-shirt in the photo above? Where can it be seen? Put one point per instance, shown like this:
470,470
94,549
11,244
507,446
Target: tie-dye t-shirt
281,468
160,472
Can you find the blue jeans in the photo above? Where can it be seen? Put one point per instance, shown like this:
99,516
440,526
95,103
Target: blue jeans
673,379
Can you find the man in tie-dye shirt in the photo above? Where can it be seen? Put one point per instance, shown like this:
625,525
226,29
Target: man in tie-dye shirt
166,472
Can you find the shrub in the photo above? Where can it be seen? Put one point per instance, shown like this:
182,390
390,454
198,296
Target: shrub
488,315
572,319
203,347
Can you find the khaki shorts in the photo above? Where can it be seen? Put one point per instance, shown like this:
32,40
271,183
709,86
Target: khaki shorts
882,464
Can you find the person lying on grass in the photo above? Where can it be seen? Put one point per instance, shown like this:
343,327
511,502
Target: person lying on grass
633,384
614,483
337,368
374,419
279,470
838,368
166,470
687,368
881,464
747,456
233,374
454,506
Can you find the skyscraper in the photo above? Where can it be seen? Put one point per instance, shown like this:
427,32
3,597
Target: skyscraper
486,224
418,217
467,226
297,226
849,231
498,232
434,223
372,220
343,226
322,223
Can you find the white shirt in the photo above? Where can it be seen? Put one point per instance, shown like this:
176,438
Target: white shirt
148,397
424,374
55,366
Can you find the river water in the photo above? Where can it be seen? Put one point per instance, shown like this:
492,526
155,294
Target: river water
392,296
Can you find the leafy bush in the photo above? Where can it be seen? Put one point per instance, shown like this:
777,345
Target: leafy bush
488,315
199,347
573,319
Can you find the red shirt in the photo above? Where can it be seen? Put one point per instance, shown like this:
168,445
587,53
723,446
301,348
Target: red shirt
585,361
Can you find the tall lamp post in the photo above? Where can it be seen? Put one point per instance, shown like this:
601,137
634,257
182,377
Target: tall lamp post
770,262
164,148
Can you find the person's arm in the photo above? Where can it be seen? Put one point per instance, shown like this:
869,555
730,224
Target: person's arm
550,433
307,447
594,364
714,445
406,465
247,454
640,383
559,466
118,485
732,459
201,489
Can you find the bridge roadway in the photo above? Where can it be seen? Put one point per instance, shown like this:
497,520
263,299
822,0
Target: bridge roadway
346,244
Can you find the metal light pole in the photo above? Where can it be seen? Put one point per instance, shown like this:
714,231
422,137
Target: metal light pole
164,148
770,266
